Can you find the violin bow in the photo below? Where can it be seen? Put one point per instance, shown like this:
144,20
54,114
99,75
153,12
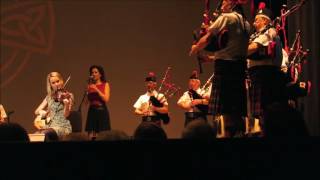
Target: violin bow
66,81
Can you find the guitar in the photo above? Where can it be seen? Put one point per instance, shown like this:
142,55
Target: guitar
40,122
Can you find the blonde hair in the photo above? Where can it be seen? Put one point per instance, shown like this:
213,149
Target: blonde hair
53,74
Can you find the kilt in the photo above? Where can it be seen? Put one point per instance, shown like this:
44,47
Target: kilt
228,94
267,86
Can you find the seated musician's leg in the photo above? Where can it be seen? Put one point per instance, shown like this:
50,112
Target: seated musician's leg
50,135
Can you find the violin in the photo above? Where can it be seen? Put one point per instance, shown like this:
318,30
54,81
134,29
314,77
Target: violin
61,94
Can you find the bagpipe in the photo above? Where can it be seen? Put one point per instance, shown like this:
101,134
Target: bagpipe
194,95
296,56
168,90
291,59
273,50
296,59
205,88
215,42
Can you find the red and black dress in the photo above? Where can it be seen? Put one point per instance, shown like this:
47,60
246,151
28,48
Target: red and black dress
98,118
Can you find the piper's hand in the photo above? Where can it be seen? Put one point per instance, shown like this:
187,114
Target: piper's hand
284,69
194,50
196,102
207,97
205,58
153,108
145,113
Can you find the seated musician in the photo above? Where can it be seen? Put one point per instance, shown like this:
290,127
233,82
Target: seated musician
3,114
194,101
52,113
151,105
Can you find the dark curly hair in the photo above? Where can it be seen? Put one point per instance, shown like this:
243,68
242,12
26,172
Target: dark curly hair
101,71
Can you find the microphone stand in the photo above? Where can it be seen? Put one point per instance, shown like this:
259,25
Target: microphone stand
77,115
90,81
82,100
8,115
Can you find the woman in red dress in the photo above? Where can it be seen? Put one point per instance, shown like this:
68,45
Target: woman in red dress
98,95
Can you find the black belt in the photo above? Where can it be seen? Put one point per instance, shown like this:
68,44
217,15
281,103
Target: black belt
98,107
150,118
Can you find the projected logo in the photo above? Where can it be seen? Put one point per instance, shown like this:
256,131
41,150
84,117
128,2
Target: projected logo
26,28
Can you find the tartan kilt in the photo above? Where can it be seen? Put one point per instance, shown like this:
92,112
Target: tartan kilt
267,86
255,95
228,94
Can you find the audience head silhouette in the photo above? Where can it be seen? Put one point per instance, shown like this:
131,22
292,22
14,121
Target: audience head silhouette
280,120
112,135
149,131
198,129
75,137
13,132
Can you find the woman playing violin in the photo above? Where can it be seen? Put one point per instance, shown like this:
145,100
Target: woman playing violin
54,109
98,95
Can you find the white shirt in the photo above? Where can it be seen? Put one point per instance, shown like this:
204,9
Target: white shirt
144,104
186,98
